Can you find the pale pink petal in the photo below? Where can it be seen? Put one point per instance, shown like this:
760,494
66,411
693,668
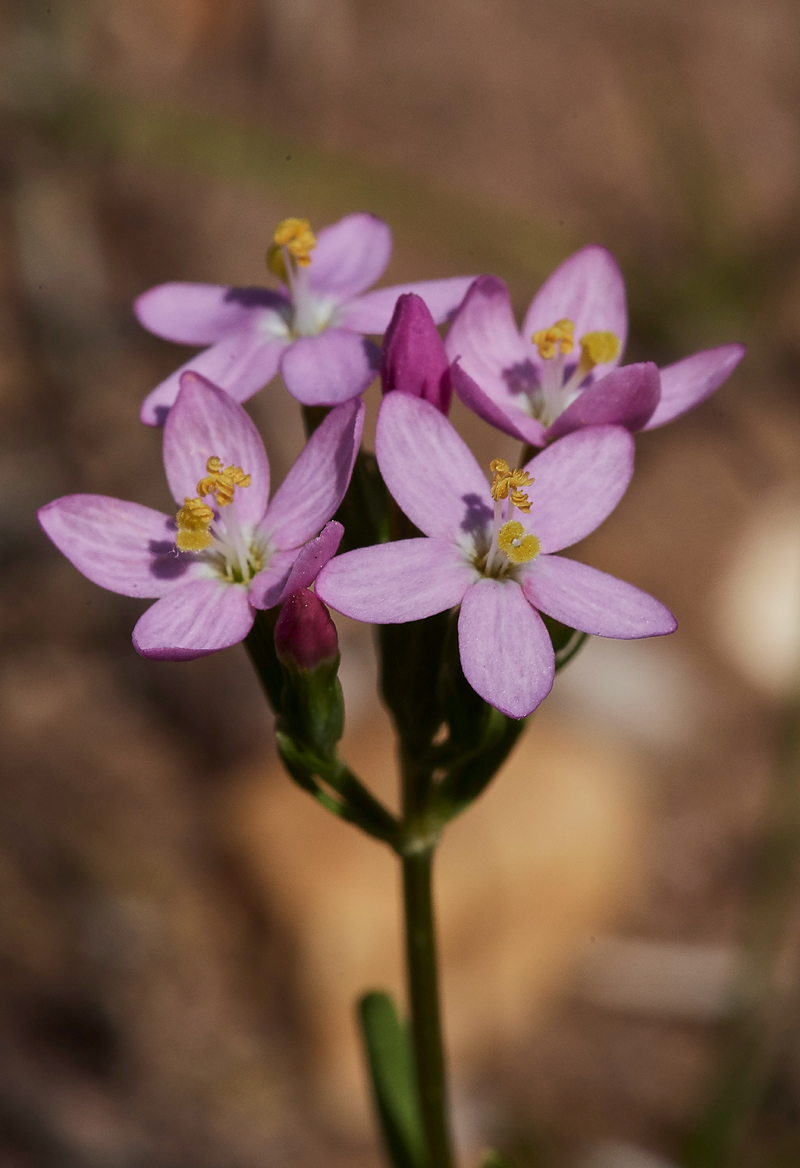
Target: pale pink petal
241,363
624,397
121,546
392,583
578,482
429,469
332,367
350,255
485,340
587,289
372,312
266,588
200,314
506,653
194,620
692,380
312,558
204,422
583,598
316,484
505,417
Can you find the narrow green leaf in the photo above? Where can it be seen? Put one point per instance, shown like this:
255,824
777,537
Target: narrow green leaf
391,1068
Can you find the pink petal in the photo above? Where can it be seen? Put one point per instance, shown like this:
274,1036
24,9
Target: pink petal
392,583
241,363
371,313
485,340
586,599
332,367
413,359
350,256
624,397
266,588
205,421
316,484
587,289
312,558
692,380
429,469
197,619
505,417
200,314
121,546
506,653
578,482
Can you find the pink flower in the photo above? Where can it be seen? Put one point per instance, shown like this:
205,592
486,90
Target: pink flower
311,328
490,549
560,373
230,550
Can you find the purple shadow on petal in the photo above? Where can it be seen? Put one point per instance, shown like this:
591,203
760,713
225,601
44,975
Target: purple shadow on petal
521,378
255,297
478,515
167,563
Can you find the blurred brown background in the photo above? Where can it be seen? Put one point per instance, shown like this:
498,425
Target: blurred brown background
182,933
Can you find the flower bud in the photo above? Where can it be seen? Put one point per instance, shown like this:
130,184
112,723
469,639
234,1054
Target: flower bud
413,358
305,635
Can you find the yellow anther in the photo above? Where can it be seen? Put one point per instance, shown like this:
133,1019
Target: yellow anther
299,240
556,339
517,543
510,482
221,482
194,520
597,349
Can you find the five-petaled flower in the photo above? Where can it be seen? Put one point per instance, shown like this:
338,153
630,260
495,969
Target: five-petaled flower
230,550
490,549
313,329
560,373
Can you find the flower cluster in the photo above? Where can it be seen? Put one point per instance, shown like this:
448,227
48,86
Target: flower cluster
485,545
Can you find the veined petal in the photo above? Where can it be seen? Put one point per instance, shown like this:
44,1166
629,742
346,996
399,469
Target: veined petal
485,340
121,546
593,601
266,588
429,469
392,583
332,367
624,397
316,484
588,289
692,380
200,314
506,653
372,312
241,363
505,417
206,421
312,558
350,255
194,620
578,481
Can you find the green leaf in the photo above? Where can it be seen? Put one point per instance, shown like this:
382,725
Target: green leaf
391,1068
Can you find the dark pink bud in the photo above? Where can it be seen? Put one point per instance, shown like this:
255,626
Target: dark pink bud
305,635
413,359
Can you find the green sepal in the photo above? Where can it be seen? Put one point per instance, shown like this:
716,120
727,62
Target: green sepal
312,705
566,641
410,666
390,1062
364,511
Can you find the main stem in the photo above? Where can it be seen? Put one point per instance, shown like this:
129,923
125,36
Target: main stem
423,985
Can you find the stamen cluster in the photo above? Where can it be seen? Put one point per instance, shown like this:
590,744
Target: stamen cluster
507,482
195,517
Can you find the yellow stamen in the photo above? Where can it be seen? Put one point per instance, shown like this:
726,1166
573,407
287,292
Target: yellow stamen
597,349
222,482
517,543
510,482
194,520
556,339
299,240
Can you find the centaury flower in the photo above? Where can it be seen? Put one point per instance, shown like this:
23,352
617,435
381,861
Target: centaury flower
489,547
229,550
561,372
312,328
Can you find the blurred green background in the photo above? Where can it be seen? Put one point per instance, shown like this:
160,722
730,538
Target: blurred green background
159,998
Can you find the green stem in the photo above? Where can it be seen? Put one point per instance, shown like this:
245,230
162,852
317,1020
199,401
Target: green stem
423,985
